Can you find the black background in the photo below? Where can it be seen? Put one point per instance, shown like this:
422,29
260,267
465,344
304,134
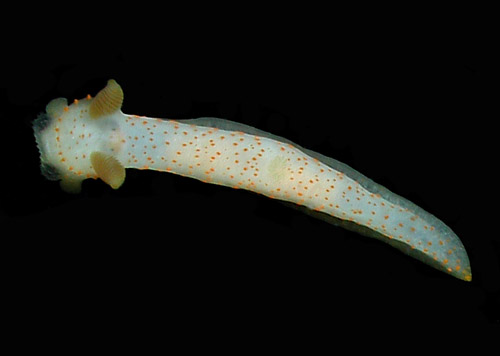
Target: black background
405,111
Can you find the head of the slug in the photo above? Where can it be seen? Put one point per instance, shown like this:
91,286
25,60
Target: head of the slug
53,136
73,140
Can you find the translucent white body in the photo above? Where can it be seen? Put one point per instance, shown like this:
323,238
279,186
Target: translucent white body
230,154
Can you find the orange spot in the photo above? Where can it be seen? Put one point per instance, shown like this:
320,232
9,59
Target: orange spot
457,268
66,108
386,217
88,97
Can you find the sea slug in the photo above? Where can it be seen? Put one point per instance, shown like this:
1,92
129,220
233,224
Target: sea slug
92,138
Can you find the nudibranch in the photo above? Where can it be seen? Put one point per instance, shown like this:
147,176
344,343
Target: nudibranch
93,138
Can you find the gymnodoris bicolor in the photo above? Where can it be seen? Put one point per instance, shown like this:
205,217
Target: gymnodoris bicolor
92,138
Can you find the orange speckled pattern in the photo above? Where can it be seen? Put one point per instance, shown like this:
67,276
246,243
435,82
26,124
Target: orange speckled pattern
244,160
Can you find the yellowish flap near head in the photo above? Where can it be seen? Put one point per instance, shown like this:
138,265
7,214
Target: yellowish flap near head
108,168
107,101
